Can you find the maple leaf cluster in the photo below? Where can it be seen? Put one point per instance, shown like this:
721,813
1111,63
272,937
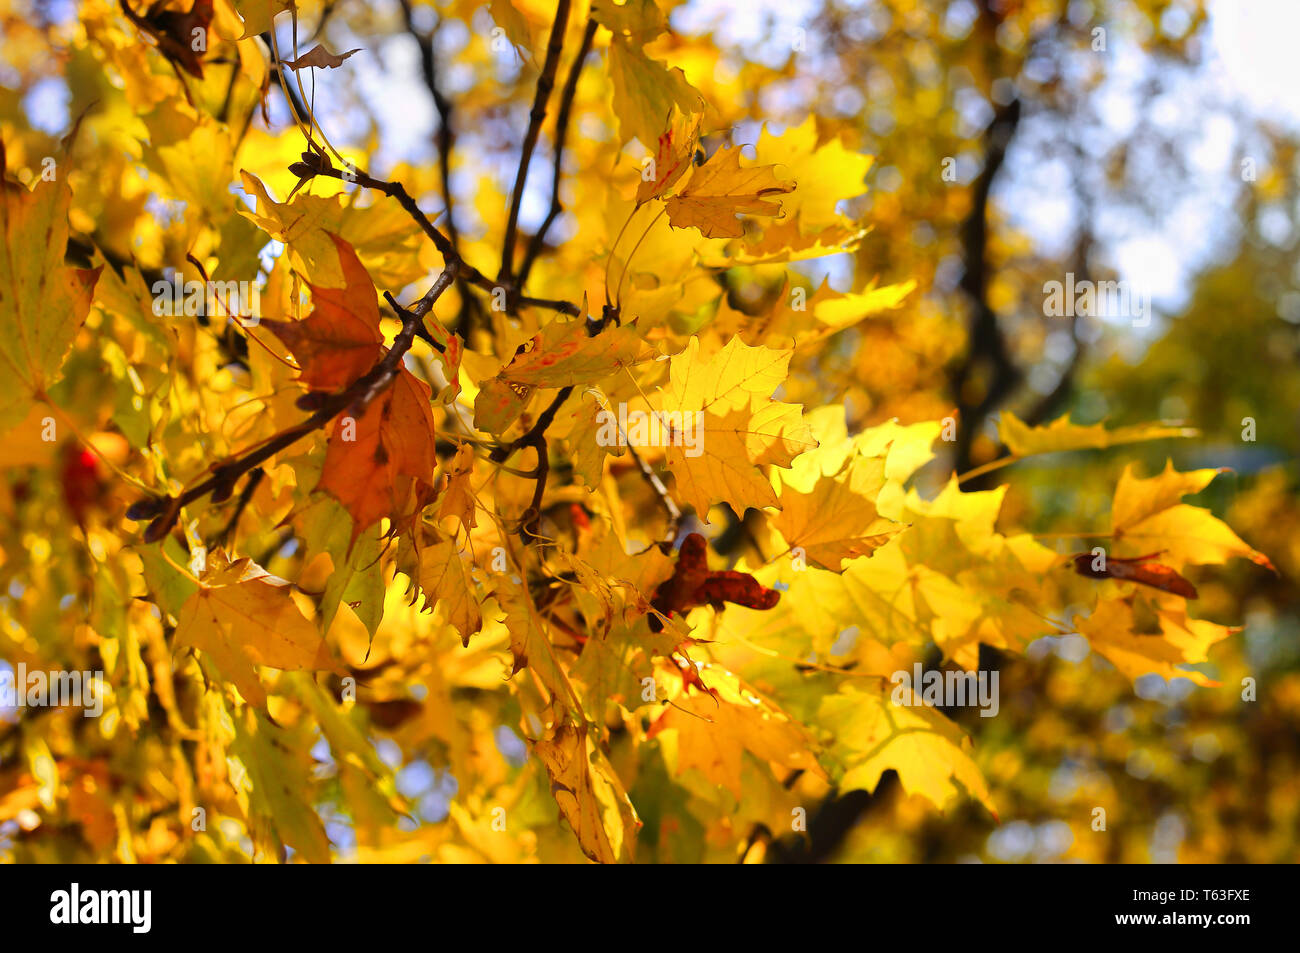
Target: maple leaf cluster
356,520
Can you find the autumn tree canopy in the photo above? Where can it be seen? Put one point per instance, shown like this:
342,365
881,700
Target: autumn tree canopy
543,429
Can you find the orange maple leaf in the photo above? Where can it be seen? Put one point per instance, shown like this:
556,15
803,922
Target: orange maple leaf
374,461
340,340
377,452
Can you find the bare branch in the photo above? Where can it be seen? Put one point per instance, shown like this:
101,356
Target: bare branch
545,83
987,347
561,135
446,132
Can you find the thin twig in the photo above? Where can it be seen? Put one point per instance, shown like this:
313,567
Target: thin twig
661,491
245,495
296,105
396,190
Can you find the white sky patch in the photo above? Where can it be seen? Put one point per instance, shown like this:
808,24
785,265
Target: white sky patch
1153,267
46,106
1255,47
764,29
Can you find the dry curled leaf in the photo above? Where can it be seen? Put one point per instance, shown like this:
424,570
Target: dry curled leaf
693,584
319,58
1134,569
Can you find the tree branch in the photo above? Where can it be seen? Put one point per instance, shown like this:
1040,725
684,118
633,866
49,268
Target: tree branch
469,305
290,94
561,135
395,190
988,350
536,438
665,498
446,133
165,510
545,83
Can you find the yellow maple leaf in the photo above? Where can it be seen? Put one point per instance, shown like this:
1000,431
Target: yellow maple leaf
730,424
441,576
383,237
787,320
838,519
641,20
274,785
1024,440
244,618
1159,644
458,491
258,14
784,240
43,302
1149,513
561,354
720,190
828,173
520,27
646,92
712,732
589,795
587,451
871,735
674,150
530,646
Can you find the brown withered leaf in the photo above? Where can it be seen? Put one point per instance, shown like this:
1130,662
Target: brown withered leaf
694,584
319,58
181,37
1135,569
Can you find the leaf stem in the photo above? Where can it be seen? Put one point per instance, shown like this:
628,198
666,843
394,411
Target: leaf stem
618,292
989,467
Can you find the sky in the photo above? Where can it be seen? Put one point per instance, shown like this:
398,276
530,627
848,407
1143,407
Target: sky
1250,69
1255,45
